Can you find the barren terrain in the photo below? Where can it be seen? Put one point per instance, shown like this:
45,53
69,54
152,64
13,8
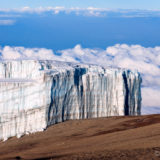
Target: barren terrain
126,138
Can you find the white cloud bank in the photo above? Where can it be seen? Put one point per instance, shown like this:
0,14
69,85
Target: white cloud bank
134,57
90,11
27,53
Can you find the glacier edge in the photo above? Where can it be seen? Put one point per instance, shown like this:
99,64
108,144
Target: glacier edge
36,94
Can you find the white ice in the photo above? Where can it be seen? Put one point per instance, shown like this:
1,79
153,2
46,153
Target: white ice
36,94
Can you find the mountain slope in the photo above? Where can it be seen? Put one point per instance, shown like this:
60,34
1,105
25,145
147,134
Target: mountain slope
104,138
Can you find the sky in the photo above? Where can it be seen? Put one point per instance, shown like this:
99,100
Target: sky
119,33
123,4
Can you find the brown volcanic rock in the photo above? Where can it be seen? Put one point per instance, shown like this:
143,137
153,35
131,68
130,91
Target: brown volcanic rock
114,138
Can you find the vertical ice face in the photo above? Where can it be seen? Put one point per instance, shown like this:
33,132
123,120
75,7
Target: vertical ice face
36,94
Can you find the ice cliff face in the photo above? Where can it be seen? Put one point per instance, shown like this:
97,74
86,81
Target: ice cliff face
37,94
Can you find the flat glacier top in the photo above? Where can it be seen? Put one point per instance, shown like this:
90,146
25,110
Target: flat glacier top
62,64
23,71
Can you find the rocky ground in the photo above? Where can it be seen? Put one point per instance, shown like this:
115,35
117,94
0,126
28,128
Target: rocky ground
114,138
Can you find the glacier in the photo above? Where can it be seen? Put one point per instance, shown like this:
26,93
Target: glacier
35,94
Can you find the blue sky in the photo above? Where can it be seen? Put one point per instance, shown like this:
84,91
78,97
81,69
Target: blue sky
125,4
61,31
54,28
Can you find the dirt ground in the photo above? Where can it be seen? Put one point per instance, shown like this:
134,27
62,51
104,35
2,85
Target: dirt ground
114,138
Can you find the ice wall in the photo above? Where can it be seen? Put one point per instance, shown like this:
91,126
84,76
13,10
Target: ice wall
37,94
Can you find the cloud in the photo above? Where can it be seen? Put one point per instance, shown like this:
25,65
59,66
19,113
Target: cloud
150,110
90,11
34,10
151,96
6,22
14,53
134,57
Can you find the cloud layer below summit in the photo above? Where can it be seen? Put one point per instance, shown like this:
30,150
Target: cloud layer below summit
89,11
134,57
